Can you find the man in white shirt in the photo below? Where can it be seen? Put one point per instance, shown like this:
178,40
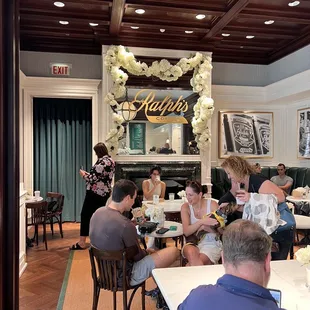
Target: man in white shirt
282,180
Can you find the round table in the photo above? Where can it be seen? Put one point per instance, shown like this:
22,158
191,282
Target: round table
170,233
296,200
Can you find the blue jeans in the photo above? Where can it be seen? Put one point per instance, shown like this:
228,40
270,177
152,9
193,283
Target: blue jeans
284,235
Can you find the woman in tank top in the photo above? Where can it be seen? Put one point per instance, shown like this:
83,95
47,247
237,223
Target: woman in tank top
153,185
194,219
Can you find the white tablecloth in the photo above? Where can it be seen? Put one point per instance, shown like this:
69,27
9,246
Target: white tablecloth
287,276
169,205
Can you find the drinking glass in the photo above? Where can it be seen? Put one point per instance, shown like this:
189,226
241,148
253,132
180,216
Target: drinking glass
238,201
171,196
156,199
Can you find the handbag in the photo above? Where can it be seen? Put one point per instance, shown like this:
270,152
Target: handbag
147,227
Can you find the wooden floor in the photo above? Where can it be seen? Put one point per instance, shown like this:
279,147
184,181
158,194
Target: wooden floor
41,282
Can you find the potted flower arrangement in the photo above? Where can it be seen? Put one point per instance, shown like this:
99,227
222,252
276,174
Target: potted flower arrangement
303,256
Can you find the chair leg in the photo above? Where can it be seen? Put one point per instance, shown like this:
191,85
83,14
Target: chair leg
60,225
96,297
143,296
44,235
114,301
36,232
124,299
52,225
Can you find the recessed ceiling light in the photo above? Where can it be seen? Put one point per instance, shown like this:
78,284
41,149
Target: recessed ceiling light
241,46
93,24
140,11
134,27
200,16
162,30
189,31
59,4
63,22
295,3
225,34
250,37
269,22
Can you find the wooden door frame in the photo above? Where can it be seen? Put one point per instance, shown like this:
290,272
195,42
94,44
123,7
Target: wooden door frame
9,154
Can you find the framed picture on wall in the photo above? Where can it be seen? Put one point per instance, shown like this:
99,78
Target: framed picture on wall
303,132
248,134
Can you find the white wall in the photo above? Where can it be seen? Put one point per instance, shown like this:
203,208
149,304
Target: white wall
283,98
90,67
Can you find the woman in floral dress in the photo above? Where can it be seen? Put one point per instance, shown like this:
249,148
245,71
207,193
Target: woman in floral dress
98,190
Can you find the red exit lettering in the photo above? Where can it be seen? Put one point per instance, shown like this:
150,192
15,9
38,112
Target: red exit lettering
60,70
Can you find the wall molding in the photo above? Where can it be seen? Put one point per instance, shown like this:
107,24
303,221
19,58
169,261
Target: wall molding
54,88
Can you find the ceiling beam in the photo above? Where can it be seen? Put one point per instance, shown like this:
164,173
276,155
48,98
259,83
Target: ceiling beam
165,26
275,17
294,45
180,9
230,15
117,13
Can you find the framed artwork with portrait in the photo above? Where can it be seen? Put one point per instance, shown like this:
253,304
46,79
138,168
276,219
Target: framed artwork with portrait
248,134
303,133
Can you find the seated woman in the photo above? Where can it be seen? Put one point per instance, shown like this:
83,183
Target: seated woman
150,187
240,172
195,219
153,185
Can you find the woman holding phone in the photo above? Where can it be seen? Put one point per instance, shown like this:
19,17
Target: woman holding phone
244,181
98,189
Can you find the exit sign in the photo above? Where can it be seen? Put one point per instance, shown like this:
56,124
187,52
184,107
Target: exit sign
60,69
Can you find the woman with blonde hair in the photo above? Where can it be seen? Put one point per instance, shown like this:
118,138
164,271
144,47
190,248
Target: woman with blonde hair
245,181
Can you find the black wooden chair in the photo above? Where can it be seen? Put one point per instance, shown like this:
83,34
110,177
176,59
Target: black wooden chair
54,210
106,266
38,216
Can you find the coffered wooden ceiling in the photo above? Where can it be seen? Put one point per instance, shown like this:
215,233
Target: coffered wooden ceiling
41,30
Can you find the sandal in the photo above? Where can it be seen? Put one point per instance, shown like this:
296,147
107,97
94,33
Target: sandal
76,247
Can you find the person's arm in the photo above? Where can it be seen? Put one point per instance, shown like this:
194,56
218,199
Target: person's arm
131,243
163,190
147,193
189,229
287,186
268,187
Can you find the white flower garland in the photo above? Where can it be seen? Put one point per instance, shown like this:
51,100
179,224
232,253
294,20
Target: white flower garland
118,56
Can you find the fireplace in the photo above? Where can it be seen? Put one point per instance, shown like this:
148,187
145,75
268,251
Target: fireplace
174,174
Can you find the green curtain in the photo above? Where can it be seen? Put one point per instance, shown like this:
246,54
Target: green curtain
62,143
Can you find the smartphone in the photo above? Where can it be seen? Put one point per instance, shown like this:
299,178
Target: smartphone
161,231
173,228
276,294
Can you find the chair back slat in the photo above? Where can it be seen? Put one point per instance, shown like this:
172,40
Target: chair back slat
107,266
38,211
55,201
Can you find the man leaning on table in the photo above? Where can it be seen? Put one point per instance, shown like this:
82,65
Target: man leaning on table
246,259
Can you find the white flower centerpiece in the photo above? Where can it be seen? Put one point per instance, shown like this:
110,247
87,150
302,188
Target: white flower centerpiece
118,57
182,195
303,256
156,214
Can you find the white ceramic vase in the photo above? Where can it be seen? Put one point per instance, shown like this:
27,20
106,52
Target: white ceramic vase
308,276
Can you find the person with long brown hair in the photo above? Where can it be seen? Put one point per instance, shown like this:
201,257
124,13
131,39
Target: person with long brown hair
195,218
245,181
98,189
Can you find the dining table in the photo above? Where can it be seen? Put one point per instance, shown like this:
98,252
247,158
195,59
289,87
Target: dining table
289,276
